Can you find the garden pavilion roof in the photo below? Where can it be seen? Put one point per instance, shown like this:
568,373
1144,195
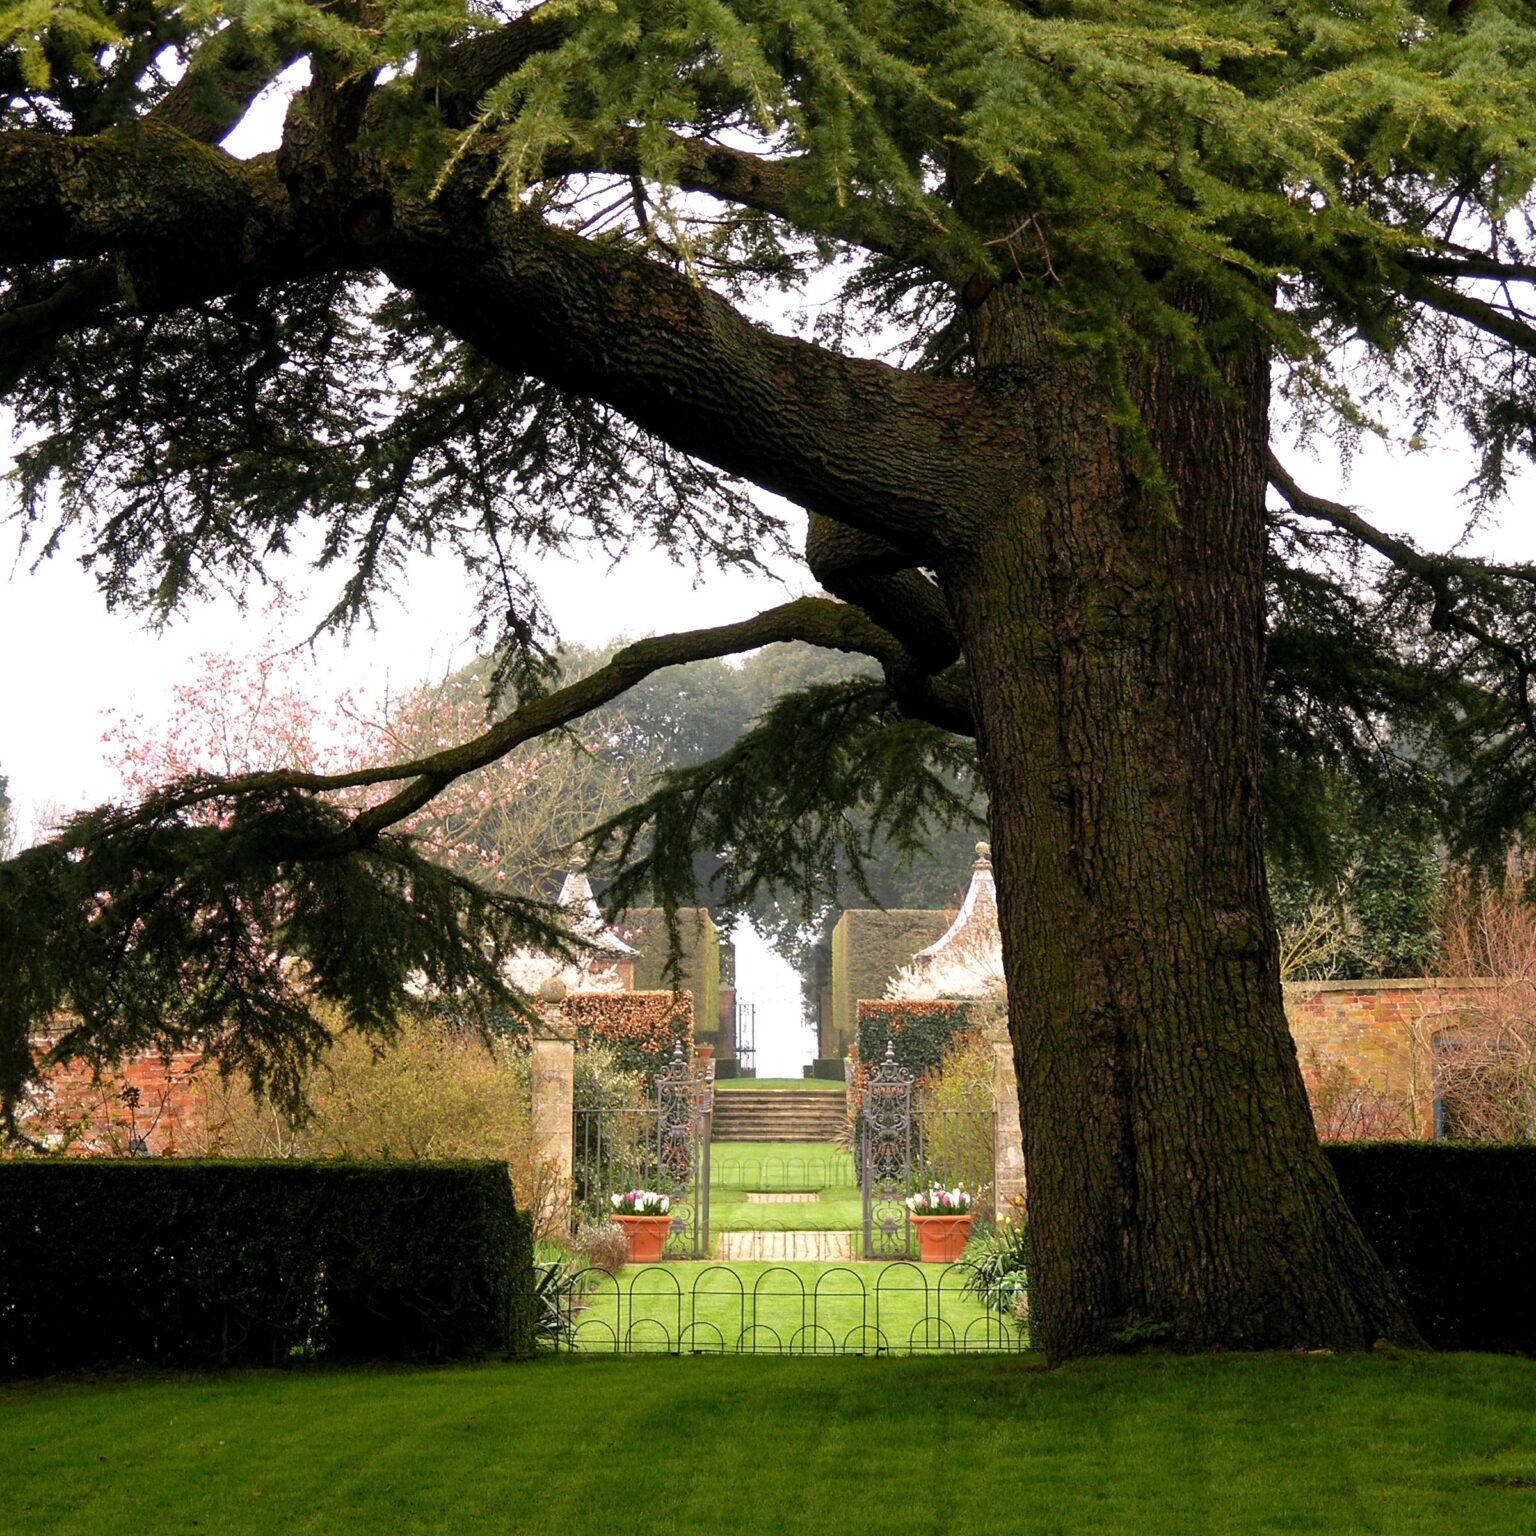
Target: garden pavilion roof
587,923
974,936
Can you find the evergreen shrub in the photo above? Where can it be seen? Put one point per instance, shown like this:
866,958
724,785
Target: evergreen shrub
1456,1226
919,1030
182,1263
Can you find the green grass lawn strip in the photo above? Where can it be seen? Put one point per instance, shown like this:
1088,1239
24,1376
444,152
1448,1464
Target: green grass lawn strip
784,1166
774,1165
729,1212
987,1446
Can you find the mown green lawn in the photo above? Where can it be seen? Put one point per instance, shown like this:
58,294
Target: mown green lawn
769,1165
834,1211
816,1308
736,1167
984,1446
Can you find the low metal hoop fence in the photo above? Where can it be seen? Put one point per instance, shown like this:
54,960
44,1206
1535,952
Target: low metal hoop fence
900,1308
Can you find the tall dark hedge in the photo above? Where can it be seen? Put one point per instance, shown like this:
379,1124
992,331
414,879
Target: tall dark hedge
1456,1226
190,1264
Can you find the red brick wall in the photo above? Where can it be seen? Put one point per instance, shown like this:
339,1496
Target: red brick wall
1364,1048
1365,1051
88,1117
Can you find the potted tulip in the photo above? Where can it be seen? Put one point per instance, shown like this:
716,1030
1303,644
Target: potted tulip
941,1218
645,1217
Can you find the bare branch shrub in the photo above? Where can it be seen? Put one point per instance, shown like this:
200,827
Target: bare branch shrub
1311,944
1484,1043
1346,1109
603,1246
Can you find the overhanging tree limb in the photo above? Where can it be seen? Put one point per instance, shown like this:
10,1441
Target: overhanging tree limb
774,186
816,621
226,75
1478,312
142,189
896,454
1449,579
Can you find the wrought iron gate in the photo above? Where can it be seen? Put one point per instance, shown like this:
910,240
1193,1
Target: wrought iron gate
662,1144
885,1157
907,1141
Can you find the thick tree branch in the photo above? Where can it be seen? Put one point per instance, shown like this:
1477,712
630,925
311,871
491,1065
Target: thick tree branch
895,454
880,579
225,76
28,332
146,188
466,71
816,621
1470,264
1485,316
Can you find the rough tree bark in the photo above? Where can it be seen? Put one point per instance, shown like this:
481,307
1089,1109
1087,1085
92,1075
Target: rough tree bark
1114,651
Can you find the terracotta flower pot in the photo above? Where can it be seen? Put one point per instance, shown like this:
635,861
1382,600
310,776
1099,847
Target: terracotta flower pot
645,1235
940,1238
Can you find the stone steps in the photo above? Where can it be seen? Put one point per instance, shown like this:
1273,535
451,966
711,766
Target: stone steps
771,1115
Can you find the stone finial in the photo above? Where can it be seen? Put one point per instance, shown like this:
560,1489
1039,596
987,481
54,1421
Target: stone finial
983,856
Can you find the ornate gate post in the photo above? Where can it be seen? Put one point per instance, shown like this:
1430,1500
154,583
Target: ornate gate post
552,1074
683,1102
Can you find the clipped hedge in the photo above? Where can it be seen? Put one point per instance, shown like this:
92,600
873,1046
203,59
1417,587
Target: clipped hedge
918,1029
182,1263
1456,1226
641,1028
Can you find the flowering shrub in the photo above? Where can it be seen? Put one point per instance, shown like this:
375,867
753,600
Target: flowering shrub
937,1201
640,1202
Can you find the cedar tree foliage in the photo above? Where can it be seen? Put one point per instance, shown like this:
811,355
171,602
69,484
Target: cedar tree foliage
495,292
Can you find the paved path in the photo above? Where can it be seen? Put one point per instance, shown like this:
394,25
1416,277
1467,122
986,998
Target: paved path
791,1247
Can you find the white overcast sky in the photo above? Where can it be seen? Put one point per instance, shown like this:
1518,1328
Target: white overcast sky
65,663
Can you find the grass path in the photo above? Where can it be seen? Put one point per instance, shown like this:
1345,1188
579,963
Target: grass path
809,1166
1403,1446
802,1166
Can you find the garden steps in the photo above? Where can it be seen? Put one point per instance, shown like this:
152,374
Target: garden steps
778,1115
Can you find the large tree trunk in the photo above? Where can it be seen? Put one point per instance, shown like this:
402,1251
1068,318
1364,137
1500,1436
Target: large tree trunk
1114,648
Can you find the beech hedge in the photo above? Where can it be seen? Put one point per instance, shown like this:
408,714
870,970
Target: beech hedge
184,1263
